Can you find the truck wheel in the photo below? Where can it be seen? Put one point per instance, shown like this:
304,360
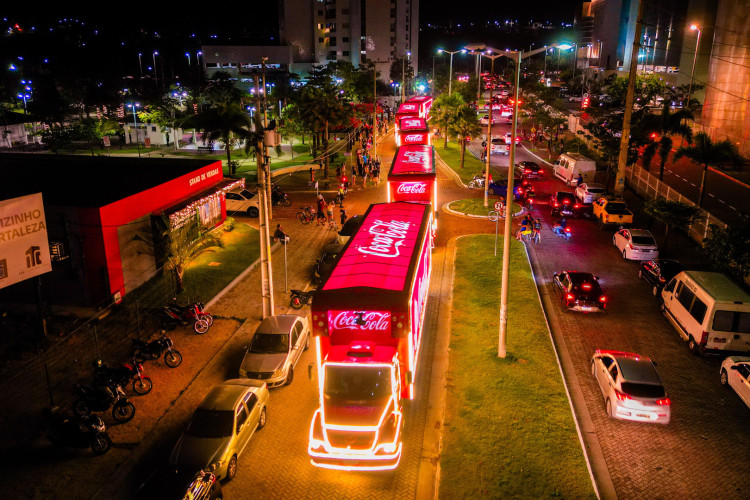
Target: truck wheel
693,346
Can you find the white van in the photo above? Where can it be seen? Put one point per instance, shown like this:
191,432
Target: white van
709,311
570,165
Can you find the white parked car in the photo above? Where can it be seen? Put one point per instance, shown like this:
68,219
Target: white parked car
275,349
485,120
636,244
242,200
588,192
508,137
631,387
735,373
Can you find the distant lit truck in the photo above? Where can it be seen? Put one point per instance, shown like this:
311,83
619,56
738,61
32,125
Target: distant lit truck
367,324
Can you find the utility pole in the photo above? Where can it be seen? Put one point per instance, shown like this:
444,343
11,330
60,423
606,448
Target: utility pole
265,148
622,159
266,267
488,149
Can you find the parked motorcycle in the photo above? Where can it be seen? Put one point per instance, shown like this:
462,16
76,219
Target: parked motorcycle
122,375
102,399
77,432
300,298
175,315
476,182
279,197
143,351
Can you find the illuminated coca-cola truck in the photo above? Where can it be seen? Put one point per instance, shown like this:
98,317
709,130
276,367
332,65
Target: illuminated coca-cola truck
412,176
424,102
367,323
413,130
406,110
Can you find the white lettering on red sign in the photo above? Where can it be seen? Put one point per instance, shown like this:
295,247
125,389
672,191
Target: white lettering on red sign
352,320
203,177
419,157
414,138
388,236
412,188
411,123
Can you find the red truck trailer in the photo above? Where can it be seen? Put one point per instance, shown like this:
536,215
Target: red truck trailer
367,319
412,176
425,103
412,130
405,110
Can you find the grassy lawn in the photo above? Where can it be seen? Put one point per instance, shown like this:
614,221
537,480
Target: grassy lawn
452,157
475,206
509,432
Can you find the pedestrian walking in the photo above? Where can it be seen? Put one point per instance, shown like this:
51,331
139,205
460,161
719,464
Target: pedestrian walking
342,216
312,175
321,216
329,211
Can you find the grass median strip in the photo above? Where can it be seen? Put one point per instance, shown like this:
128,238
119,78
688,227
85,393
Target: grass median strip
508,427
475,206
452,157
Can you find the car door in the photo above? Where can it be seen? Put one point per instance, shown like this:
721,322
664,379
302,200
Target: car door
558,284
242,427
253,408
296,347
621,239
739,380
602,373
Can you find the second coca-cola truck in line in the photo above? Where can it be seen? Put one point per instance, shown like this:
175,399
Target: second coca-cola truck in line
367,323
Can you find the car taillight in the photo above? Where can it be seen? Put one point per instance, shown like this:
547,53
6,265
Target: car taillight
569,296
527,171
621,396
704,338
557,204
567,229
663,402
586,286
566,202
603,298
576,206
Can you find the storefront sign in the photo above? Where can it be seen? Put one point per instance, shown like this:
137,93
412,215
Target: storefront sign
24,248
202,177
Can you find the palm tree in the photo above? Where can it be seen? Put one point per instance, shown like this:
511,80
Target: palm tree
224,123
322,108
465,124
443,112
706,153
664,125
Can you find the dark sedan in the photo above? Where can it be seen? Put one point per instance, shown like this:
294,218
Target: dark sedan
530,170
563,203
500,188
580,291
658,272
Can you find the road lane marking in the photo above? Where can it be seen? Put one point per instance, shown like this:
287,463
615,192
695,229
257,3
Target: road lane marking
712,196
692,184
721,201
730,206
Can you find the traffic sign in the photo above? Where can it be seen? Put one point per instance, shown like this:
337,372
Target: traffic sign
499,206
105,139
533,130
493,216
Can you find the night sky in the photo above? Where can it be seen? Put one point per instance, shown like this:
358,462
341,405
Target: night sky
443,11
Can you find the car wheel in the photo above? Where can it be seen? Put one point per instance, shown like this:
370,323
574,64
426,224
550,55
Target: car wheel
252,212
610,412
655,291
231,468
289,376
724,378
262,419
307,342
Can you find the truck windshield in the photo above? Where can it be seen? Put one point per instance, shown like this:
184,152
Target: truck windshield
357,382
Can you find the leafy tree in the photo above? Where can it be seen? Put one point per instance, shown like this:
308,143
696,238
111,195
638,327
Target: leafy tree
465,124
57,137
728,249
321,107
443,112
672,213
224,123
706,153
221,90
399,64
663,125
167,112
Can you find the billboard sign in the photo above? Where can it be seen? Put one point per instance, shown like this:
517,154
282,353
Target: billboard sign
24,248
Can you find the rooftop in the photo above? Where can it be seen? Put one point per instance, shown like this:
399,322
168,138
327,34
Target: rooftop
83,181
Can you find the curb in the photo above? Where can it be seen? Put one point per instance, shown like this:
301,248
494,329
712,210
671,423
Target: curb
445,207
596,464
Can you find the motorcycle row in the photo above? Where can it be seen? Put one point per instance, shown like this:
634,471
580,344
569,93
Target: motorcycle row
84,429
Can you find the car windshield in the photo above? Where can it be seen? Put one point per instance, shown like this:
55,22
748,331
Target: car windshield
643,240
247,194
270,343
496,141
211,423
643,390
357,383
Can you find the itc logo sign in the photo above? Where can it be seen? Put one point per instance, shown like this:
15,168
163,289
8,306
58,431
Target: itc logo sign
33,256
361,320
412,188
388,236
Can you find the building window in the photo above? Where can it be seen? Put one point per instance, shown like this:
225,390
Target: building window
393,41
320,26
320,12
407,36
345,26
346,53
345,39
153,129
332,55
393,12
332,41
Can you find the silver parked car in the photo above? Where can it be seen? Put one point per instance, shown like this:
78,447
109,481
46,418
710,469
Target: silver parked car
631,386
275,349
221,428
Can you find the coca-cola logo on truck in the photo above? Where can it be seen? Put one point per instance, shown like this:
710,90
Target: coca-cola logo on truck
412,188
418,157
361,320
414,138
388,236
411,123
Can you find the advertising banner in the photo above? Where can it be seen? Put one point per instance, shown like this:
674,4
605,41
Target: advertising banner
24,248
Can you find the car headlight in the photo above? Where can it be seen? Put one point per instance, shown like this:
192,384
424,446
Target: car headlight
278,373
217,465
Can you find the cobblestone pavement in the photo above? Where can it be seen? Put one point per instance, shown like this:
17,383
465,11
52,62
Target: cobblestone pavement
703,452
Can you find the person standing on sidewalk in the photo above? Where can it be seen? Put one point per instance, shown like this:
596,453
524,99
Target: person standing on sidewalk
321,210
329,210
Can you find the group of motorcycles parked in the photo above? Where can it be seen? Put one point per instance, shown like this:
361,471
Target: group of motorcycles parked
84,429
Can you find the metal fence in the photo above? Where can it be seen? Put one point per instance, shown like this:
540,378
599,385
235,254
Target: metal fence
650,187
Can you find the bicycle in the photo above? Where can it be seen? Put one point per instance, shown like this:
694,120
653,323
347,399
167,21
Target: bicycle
306,215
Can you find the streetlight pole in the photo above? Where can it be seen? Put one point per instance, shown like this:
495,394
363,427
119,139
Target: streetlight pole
132,106
403,76
156,78
188,56
140,62
489,130
450,71
266,267
693,27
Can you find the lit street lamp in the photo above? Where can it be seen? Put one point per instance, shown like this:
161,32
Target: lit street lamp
693,27
24,97
140,63
198,57
450,71
132,106
489,127
187,54
156,78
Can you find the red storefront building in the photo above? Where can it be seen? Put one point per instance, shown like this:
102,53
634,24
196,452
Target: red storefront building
100,214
